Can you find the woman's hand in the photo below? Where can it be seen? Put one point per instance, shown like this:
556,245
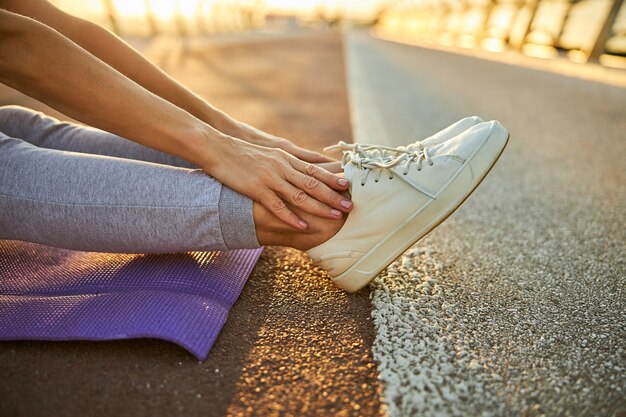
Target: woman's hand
258,137
273,177
334,167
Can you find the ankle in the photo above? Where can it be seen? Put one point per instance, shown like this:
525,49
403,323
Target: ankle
273,232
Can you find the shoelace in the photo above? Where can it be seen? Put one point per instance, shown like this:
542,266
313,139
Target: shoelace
379,157
363,148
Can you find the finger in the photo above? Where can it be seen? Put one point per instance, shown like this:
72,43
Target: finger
307,155
278,208
334,181
301,199
334,167
320,191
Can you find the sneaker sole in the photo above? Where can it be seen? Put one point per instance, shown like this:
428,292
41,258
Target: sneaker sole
424,221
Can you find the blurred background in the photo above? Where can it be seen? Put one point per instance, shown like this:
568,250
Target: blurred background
581,31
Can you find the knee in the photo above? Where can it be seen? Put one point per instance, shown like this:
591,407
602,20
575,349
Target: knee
15,119
13,110
16,115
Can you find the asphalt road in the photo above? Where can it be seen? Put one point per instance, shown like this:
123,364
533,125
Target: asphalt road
516,304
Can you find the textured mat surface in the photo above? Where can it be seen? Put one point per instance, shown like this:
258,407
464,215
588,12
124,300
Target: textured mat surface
55,294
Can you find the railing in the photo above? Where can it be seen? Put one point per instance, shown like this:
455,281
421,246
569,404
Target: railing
182,17
585,30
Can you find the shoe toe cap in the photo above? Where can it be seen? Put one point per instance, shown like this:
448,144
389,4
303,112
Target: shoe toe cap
468,142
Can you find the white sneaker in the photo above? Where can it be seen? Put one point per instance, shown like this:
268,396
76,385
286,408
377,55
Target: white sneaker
448,133
398,200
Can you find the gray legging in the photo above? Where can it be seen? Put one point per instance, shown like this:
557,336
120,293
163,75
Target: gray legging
75,187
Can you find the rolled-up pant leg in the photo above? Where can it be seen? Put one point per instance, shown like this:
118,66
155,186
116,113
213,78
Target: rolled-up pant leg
79,188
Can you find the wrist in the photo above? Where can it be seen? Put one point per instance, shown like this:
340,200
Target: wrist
229,126
203,146
218,120
238,130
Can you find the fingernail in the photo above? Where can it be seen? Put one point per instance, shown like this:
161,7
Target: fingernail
342,181
335,212
346,204
303,224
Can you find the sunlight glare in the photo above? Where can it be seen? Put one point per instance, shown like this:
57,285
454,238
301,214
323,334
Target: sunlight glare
162,9
129,8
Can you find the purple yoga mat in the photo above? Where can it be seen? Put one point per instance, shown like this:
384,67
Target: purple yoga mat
56,294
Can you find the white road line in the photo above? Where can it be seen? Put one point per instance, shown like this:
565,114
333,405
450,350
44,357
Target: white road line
424,363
